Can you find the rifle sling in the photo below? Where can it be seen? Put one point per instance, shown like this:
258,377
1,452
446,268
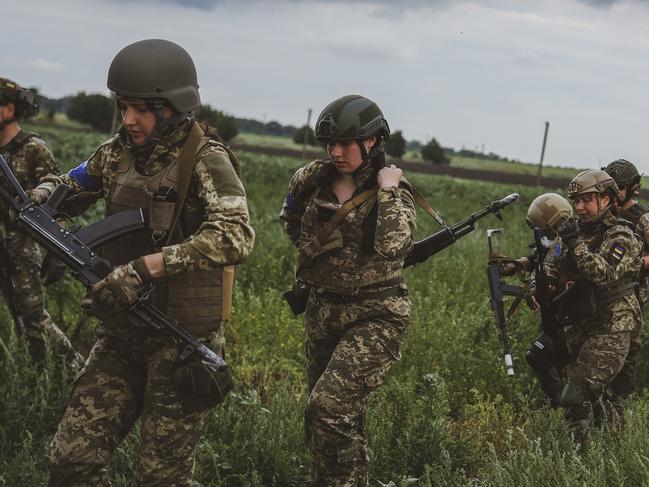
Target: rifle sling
332,224
425,205
186,162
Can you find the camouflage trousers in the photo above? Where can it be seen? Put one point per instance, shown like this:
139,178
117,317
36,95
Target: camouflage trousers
597,362
28,296
350,348
124,380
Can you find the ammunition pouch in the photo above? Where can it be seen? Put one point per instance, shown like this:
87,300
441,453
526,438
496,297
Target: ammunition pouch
199,385
297,297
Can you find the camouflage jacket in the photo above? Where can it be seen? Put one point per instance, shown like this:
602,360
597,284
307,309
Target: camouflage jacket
638,214
367,249
607,254
215,197
30,160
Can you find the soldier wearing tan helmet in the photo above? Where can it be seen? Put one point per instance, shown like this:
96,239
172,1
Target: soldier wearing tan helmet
547,355
598,264
197,228
30,159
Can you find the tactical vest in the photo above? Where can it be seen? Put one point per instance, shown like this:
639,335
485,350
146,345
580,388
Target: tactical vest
634,213
585,300
200,300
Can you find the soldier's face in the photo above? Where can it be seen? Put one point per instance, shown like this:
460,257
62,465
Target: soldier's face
138,119
347,155
7,111
590,206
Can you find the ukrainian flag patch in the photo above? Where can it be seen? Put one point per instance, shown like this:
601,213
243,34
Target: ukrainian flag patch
617,252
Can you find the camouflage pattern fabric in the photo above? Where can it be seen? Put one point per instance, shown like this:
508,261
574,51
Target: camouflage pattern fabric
30,160
130,377
215,197
607,253
345,263
352,338
121,382
350,349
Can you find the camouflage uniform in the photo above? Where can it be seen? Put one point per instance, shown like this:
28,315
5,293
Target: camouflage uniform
626,381
607,257
128,373
31,159
357,312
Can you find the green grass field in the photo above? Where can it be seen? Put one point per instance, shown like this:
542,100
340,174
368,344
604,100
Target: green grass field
447,415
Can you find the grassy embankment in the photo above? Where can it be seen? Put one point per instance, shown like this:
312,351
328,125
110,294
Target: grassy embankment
447,415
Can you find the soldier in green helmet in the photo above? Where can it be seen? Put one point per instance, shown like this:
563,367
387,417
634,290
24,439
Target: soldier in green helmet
352,220
197,228
628,179
597,263
30,159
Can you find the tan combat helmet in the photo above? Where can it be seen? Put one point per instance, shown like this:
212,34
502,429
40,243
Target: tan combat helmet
593,181
547,211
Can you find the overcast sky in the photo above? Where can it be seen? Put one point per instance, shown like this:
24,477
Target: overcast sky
465,72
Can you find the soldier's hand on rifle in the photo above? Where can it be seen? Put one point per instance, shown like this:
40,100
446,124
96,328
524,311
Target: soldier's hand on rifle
38,196
569,233
532,302
120,289
389,177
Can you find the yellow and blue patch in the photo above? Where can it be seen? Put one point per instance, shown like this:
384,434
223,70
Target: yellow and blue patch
617,252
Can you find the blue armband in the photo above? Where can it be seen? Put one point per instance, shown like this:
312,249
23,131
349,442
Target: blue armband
85,180
291,203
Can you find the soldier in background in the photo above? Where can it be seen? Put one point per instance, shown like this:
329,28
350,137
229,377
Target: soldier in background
598,261
197,226
30,159
626,175
357,309
547,356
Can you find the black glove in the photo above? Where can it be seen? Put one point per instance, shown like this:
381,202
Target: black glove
569,233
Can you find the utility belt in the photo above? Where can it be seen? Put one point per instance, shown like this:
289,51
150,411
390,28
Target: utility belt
583,300
395,290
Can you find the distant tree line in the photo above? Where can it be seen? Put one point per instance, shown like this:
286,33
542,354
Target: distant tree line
96,110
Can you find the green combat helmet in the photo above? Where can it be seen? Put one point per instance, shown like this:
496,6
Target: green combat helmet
156,69
547,211
625,175
593,181
351,117
354,117
23,99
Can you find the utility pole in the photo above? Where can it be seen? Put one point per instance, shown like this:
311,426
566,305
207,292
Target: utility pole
545,139
306,133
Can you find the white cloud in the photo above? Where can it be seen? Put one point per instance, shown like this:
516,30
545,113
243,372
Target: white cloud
45,65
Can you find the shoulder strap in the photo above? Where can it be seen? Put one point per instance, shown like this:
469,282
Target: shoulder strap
186,162
331,225
425,205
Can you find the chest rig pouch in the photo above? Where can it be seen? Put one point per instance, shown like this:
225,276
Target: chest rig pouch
199,299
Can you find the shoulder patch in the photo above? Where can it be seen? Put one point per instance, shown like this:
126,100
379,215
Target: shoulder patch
617,251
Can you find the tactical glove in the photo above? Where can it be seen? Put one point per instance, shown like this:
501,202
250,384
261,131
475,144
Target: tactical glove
120,289
38,195
569,233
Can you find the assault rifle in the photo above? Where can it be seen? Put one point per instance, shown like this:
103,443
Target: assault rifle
8,289
498,289
76,250
438,241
